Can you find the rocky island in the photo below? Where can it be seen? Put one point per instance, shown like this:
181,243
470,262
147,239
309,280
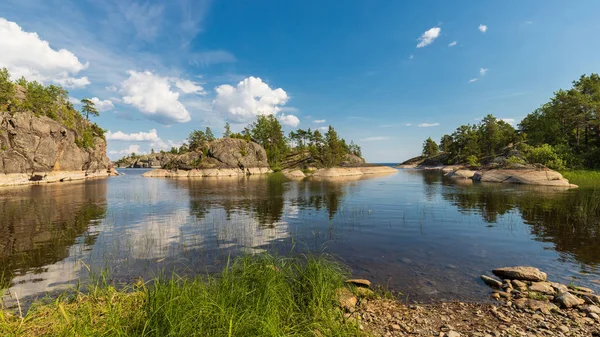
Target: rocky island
261,148
44,139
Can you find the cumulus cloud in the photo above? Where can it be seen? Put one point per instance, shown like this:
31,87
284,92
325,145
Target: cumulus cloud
374,139
482,28
452,44
189,87
151,94
323,128
319,121
289,120
482,71
510,121
428,37
25,54
141,136
428,125
251,97
473,80
134,148
103,105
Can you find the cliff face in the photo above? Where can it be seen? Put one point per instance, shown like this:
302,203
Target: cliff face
39,149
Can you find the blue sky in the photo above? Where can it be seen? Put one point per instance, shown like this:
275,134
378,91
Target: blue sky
386,74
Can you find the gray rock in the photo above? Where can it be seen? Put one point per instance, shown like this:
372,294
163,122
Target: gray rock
520,273
452,333
568,300
542,287
492,282
592,308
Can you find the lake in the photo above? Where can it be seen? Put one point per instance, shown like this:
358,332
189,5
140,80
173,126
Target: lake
414,231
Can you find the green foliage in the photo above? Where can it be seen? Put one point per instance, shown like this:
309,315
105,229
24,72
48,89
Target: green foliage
446,143
545,155
514,160
430,148
258,295
227,132
473,161
267,132
7,89
89,108
570,123
209,135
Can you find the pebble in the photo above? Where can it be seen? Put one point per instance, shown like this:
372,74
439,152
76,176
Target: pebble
563,328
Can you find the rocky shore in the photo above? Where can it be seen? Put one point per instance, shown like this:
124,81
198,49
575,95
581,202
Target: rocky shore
334,172
527,305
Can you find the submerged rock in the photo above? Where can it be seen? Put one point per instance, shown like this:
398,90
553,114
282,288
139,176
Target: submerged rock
492,282
522,273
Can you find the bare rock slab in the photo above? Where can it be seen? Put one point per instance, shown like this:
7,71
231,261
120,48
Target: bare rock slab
521,273
492,282
568,300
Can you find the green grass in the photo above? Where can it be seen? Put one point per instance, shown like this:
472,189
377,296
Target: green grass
583,178
252,296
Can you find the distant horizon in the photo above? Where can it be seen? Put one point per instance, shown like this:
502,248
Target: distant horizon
385,75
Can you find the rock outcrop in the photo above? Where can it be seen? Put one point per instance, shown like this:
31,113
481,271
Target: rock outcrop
222,157
36,150
530,176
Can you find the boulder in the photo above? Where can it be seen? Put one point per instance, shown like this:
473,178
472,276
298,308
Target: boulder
233,152
460,174
568,300
294,174
529,176
543,288
346,299
359,282
522,273
492,282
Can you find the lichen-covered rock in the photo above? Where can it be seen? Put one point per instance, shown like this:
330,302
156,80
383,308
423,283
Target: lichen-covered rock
34,149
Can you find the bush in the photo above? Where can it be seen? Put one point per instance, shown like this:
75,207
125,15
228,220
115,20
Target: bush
545,155
472,160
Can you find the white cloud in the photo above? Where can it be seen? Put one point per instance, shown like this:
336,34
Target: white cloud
165,144
408,124
319,121
103,105
141,136
473,80
208,58
152,95
510,121
25,54
482,71
428,37
289,120
374,139
482,28
323,128
428,125
189,87
251,97
411,56
452,44
128,150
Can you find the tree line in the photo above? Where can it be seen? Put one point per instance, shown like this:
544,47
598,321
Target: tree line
327,149
562,133
51,101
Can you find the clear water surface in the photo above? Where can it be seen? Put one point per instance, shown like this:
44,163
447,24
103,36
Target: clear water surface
412,231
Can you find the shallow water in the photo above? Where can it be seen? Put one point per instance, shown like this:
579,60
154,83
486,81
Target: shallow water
413,231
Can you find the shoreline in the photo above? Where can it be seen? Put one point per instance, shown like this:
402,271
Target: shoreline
40,178
344,306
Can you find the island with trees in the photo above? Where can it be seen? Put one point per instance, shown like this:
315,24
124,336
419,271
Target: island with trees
562,134
259,148
43,138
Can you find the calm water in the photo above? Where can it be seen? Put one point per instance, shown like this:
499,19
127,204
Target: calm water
412,231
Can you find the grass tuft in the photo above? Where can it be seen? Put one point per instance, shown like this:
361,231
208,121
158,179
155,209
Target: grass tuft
252,296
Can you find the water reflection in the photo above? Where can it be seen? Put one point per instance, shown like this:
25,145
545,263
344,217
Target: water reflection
43,229
569,219
415,231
